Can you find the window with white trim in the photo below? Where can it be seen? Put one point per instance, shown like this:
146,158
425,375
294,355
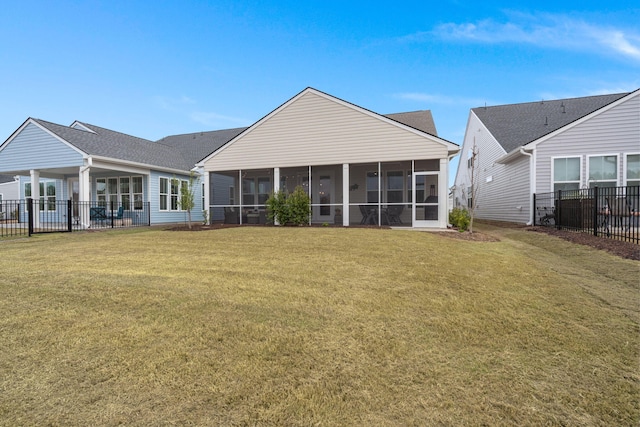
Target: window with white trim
120,191
372,187
47,194
603,171
566,173
395,186
633,169
169,193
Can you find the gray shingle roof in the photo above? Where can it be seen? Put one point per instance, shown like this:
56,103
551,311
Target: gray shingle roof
196,146
421,120
116,145
515,125
6,178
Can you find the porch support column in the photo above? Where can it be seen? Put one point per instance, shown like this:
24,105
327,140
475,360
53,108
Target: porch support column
35,195
84,196
345,195
443,193
276,186
207,195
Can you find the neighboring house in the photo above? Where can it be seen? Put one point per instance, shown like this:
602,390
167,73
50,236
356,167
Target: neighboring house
544,146
87,163
9,191
358,167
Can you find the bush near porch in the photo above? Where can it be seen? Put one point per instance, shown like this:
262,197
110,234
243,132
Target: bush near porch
306,326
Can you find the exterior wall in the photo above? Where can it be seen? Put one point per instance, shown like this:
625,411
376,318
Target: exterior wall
314,130
33,148
615,131
10,190
163,217
503,189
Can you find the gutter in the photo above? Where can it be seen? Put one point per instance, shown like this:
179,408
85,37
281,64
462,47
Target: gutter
524,153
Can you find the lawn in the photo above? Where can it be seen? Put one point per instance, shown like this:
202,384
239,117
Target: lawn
316,326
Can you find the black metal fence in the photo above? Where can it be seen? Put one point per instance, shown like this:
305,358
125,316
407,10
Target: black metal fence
27,217
612,212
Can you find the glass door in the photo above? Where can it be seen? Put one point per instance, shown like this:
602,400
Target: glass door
426,200
74,195
323,198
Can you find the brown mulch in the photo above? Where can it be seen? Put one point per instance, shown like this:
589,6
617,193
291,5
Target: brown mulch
620,248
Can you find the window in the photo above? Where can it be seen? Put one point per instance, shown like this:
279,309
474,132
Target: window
47,194
395,186
470,197
164,194
248,192
633,169
566,173
175,194
120,191
170,191
372,187
264,190
255,191
603,171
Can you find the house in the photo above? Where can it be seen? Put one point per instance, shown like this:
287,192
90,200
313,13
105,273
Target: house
97,167
357,166
544,146
9,191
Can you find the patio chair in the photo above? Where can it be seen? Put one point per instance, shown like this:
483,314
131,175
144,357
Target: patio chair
230,216
393,214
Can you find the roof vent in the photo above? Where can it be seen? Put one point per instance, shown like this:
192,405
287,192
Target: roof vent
563,108
546,120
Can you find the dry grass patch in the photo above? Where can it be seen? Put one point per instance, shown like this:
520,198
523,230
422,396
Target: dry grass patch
266,326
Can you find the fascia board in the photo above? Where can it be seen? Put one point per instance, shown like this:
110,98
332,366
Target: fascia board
107,163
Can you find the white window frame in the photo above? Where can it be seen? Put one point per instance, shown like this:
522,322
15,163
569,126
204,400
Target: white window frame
106,198
45,203
170,195
616,155
553,172
625,169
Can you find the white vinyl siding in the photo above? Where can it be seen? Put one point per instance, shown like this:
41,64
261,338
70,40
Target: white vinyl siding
503,190
313,130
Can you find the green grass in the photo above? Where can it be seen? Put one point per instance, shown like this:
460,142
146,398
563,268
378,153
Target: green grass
316,326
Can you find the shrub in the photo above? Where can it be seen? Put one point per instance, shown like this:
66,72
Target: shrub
291,208
460,218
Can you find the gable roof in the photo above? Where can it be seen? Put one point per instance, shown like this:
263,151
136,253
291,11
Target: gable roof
515,125
106,143
196,146
421,120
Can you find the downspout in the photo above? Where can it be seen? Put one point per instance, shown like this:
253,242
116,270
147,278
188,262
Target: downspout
524,153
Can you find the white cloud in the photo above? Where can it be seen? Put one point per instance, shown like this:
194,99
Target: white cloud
545,30
173,104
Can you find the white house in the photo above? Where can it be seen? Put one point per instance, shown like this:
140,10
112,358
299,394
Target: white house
544,146
359,167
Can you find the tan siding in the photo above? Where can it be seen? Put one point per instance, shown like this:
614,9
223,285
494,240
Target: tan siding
313,130
615,131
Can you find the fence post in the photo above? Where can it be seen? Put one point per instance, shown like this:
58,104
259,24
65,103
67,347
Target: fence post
69,218
30,215
559,210
595,211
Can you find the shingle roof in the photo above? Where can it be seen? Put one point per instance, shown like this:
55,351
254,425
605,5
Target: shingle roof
6,178
196,146
421,120
116,145
515,125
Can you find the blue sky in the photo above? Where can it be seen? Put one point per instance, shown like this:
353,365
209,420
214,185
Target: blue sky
152,69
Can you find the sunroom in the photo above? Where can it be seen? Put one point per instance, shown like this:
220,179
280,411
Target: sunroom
358,167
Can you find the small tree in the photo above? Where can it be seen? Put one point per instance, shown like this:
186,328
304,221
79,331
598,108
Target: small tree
471,194
187,195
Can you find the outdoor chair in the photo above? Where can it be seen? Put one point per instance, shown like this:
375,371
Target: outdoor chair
97,214
230,216
393,214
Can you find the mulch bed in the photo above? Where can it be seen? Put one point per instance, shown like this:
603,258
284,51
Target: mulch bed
620,248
